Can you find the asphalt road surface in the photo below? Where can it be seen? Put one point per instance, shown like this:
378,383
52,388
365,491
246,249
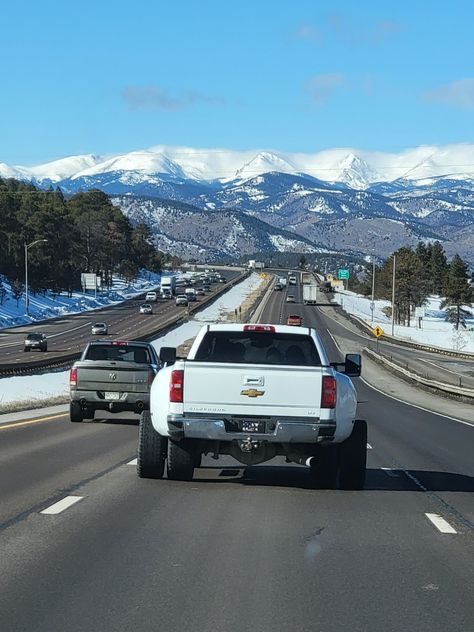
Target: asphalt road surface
238,549
71,333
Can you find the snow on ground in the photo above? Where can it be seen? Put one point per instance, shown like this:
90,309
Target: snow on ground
51,306
435,331
31,387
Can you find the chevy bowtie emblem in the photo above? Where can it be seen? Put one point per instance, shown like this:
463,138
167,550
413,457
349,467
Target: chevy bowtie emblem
112,376
252,392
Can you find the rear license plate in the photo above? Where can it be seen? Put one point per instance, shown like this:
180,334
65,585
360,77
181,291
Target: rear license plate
112,395
251,426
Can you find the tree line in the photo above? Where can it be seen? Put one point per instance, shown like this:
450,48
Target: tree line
85,233
419,272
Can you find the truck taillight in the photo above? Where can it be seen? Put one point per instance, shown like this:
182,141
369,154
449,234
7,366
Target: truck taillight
73,377
176,386
328,392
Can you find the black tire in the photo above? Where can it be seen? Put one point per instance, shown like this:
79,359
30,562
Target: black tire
75,412
27,349
44,349
324,468
181,457
197,459
353,461
151,454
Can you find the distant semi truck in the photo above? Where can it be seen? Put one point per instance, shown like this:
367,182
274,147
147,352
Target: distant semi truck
168,284
307,278
310,294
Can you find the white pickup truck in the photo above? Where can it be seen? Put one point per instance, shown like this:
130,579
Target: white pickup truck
255,392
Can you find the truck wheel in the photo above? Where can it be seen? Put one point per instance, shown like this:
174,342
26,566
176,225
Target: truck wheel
324,468
75,412
181,459
151,449
354,457
197,459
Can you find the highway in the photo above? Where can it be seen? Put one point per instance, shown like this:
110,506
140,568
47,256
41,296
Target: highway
238,549
69,334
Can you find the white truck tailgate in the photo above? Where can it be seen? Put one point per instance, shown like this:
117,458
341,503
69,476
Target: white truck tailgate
238,389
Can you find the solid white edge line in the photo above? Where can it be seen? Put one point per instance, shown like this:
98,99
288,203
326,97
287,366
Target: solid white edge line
440,523
426,410
132,462
61,505
441,368
334,341
390,472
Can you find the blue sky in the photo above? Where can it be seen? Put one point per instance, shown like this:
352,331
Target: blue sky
107,77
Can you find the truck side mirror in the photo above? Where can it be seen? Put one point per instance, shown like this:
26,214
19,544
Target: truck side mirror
168,355
353,365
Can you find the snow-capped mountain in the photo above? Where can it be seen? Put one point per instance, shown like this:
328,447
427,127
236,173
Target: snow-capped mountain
269,200
209,235
357,169
355,172
264,162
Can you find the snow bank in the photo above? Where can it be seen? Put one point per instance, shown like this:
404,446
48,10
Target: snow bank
435,331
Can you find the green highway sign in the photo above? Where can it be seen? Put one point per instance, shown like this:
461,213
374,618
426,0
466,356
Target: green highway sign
342,273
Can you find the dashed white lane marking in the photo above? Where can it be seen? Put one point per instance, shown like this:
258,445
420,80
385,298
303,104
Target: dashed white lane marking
61,505
334,341
390,472
440,523
369,447
132,462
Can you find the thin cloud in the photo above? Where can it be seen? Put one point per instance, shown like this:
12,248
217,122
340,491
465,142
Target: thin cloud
355,35
321,87
153,97
459,94
308,32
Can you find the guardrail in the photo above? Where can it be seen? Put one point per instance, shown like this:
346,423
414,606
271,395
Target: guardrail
433,385
66,361
366,328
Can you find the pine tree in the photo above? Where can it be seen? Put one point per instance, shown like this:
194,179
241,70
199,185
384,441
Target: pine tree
457,291
438,268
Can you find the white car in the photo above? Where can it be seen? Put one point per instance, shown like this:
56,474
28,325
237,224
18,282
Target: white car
182,300
291,298
151,296
146,308
100,329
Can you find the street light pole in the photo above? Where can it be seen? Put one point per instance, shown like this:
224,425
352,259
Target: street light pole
27,246
393,294
372,304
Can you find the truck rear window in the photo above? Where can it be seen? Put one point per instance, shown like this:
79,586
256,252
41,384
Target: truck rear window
258,348
120,353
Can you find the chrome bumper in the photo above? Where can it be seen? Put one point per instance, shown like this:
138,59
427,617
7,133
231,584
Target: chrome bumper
298,431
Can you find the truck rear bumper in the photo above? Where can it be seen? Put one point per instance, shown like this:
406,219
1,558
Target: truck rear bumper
277,431
135,402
